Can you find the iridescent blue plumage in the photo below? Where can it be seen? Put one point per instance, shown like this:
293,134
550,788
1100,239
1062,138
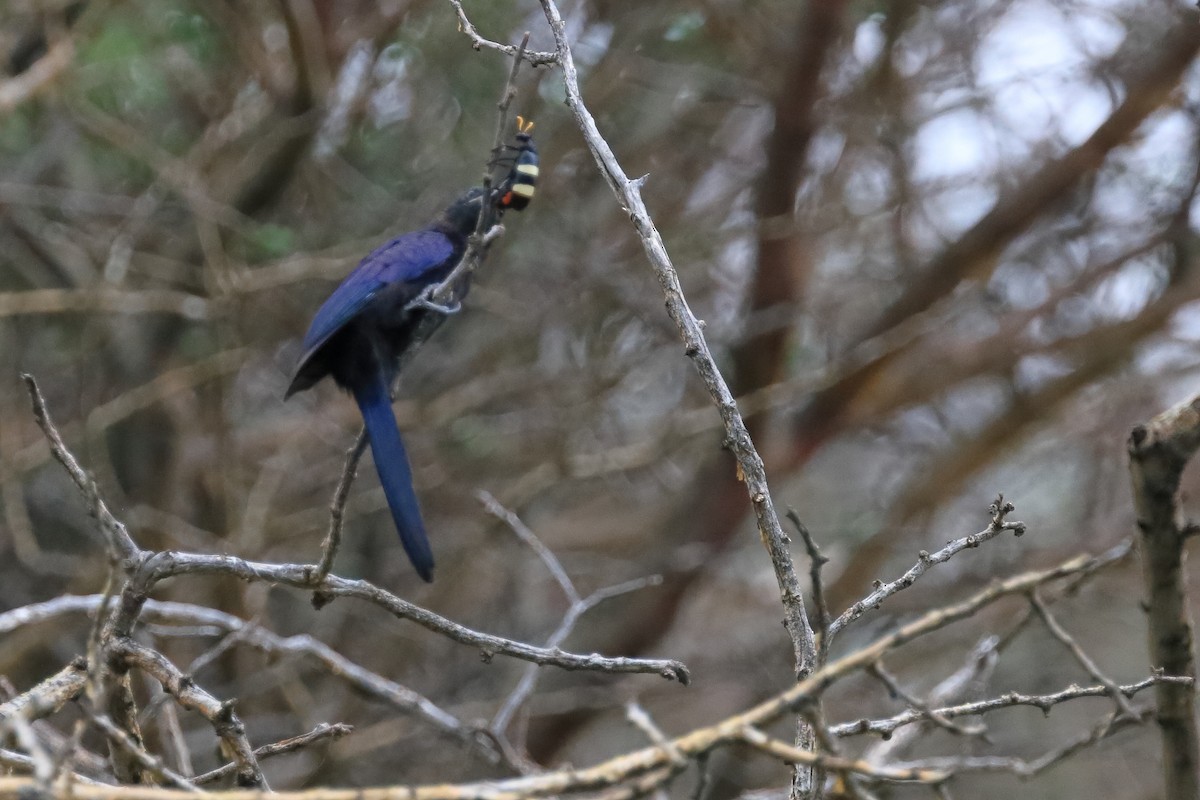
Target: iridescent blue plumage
359,335
407,260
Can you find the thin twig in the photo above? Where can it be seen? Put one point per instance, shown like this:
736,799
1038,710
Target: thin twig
816,561
98,681
506,98
337,512
793,755
880,672
453,286
43,765
1043,702
578,606
1059,632
116,535
175,738
322,731
11,759
978,667
1028,768
149,762
524,688
925,560
493,507
641,718
535,58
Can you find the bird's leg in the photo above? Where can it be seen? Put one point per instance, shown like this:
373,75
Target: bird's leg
425,300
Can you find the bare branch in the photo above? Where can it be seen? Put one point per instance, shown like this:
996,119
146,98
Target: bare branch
750,464
146,570
793,755
980,664
506,98
525,686
317,734
337,513
653,760
19,761
48,696
1028,768
169,564
1043,702
1059,632
116,535
149,762
187,693
532,541
641,718
878,670
926,560
370,683
535,58
815,562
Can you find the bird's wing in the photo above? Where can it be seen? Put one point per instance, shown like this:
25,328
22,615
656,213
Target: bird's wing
402,260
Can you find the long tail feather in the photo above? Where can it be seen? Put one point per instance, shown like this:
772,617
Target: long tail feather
391,462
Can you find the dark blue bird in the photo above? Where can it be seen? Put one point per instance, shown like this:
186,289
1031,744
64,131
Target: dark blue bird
361,332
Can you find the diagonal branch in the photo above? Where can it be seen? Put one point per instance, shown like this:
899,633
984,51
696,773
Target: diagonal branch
117,536
750,464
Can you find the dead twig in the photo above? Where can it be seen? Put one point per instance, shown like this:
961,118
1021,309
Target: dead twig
221,715
925,560
317,734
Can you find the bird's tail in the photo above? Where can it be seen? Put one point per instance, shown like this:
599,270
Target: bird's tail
394,473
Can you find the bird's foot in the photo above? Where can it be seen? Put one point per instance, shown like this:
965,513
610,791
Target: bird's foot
426,301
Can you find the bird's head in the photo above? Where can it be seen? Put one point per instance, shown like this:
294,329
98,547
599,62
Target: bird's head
462,216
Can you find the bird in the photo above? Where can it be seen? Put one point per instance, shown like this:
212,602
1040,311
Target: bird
364,329
359,335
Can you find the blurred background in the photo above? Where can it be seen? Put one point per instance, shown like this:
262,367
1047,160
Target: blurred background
943,249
